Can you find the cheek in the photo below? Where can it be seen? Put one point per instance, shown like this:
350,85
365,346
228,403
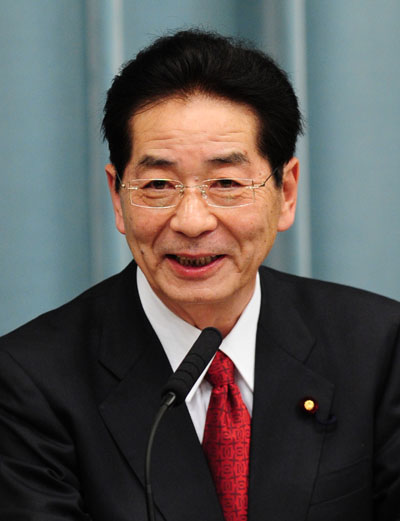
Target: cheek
257,226
258,235
134,233
142,230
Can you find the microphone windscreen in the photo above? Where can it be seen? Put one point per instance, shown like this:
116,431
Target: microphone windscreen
194,363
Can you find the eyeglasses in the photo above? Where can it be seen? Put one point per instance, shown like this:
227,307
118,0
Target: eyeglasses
166,193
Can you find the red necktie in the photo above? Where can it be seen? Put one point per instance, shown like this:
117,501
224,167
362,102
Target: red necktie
226,441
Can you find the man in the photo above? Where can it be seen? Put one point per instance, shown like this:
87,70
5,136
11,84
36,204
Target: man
202,133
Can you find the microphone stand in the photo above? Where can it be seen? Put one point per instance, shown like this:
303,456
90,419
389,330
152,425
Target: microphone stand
168,401
175,392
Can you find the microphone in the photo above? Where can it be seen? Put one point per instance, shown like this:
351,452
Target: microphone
194,363
175,391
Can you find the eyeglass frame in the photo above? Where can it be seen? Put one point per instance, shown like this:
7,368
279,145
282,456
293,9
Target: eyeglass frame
181,187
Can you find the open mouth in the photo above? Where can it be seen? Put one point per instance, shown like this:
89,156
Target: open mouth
196,262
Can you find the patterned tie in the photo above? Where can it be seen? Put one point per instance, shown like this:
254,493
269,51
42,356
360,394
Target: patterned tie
226,441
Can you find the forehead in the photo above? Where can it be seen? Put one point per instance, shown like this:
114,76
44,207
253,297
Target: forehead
198,125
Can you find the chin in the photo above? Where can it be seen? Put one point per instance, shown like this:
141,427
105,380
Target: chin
195,296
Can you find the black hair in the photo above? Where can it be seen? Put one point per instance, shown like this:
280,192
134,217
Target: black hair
194,61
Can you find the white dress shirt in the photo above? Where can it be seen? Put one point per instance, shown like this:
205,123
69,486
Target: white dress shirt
177,337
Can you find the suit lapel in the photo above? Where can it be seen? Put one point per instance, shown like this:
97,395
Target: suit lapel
286,441
182,486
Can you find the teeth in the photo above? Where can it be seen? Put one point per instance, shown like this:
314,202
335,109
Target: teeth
198,261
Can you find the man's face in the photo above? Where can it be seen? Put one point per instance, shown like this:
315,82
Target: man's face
195,254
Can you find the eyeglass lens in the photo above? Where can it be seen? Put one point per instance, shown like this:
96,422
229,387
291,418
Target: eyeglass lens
160,193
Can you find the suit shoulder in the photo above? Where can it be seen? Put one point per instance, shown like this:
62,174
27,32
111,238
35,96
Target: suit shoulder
345,323
319,297
71,322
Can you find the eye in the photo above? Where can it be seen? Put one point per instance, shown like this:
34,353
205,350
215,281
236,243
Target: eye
158,184
227,184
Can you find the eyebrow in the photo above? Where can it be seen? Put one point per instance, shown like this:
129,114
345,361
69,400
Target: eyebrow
234,158
154,161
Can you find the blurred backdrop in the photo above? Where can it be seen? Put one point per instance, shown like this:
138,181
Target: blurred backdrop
57,59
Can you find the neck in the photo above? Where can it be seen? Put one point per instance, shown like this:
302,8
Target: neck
202,317
221,315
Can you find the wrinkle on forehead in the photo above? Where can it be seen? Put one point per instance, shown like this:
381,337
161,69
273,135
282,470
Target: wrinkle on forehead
231,142
169,136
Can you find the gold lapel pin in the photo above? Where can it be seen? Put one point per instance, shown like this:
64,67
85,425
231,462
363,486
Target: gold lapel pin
309,405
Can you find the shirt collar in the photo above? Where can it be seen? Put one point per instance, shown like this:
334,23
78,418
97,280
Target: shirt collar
177,336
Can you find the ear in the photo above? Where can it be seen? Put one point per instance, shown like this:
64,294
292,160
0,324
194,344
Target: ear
115,198
289,194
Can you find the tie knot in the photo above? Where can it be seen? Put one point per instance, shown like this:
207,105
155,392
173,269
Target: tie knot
221,371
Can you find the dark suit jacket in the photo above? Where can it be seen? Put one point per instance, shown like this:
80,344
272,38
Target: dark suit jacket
79,387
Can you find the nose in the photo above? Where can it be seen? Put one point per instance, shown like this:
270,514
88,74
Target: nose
192,215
